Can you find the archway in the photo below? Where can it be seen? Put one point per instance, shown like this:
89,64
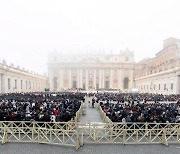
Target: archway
55,83
126,83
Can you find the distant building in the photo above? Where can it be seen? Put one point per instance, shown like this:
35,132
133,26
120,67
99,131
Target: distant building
18,80
91,71
162,73
102,71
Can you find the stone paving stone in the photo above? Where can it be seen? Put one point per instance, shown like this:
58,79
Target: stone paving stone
33,148
92,114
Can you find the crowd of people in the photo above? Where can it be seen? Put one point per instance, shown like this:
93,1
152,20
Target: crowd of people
140,107
62,106
46,107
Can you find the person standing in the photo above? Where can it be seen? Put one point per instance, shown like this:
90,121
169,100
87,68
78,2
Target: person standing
93,102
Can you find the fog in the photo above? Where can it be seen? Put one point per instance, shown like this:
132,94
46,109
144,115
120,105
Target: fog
29,30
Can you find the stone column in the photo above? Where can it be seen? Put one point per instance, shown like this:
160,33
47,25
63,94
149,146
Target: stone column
60,80
111,79
80,79
51,82
102,81
94,79
100,78
178,85
87,85
70,80
0,84
120,80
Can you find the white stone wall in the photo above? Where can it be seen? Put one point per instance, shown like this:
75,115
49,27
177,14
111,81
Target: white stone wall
151,83
35,83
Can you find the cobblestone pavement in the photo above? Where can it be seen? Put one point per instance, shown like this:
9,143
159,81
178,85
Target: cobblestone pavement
29,148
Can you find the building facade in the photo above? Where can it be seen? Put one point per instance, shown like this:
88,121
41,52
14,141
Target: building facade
160,74
13,79
91,71
117,71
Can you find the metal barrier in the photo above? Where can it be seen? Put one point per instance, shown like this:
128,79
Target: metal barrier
75,134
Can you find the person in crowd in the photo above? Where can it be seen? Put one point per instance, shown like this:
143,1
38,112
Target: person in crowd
93,102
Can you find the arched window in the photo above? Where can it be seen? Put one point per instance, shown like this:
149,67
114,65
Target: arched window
126,83
55,83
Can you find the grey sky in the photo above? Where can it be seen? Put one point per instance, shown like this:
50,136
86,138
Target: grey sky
29,29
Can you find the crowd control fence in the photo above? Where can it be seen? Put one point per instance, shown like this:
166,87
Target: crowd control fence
77,134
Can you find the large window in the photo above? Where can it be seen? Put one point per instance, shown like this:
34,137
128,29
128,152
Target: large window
84,86
126,58
21,84
126,83
164,86
74,84
26,84
97,85
15,84
106,84
171,86
29,84
9,83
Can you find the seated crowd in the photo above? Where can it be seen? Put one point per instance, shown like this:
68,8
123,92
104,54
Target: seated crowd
140,107
119,107
137,97
40,106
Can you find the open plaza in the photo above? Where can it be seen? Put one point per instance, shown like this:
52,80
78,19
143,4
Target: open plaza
92,100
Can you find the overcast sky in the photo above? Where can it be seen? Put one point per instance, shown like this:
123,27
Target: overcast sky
29,29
